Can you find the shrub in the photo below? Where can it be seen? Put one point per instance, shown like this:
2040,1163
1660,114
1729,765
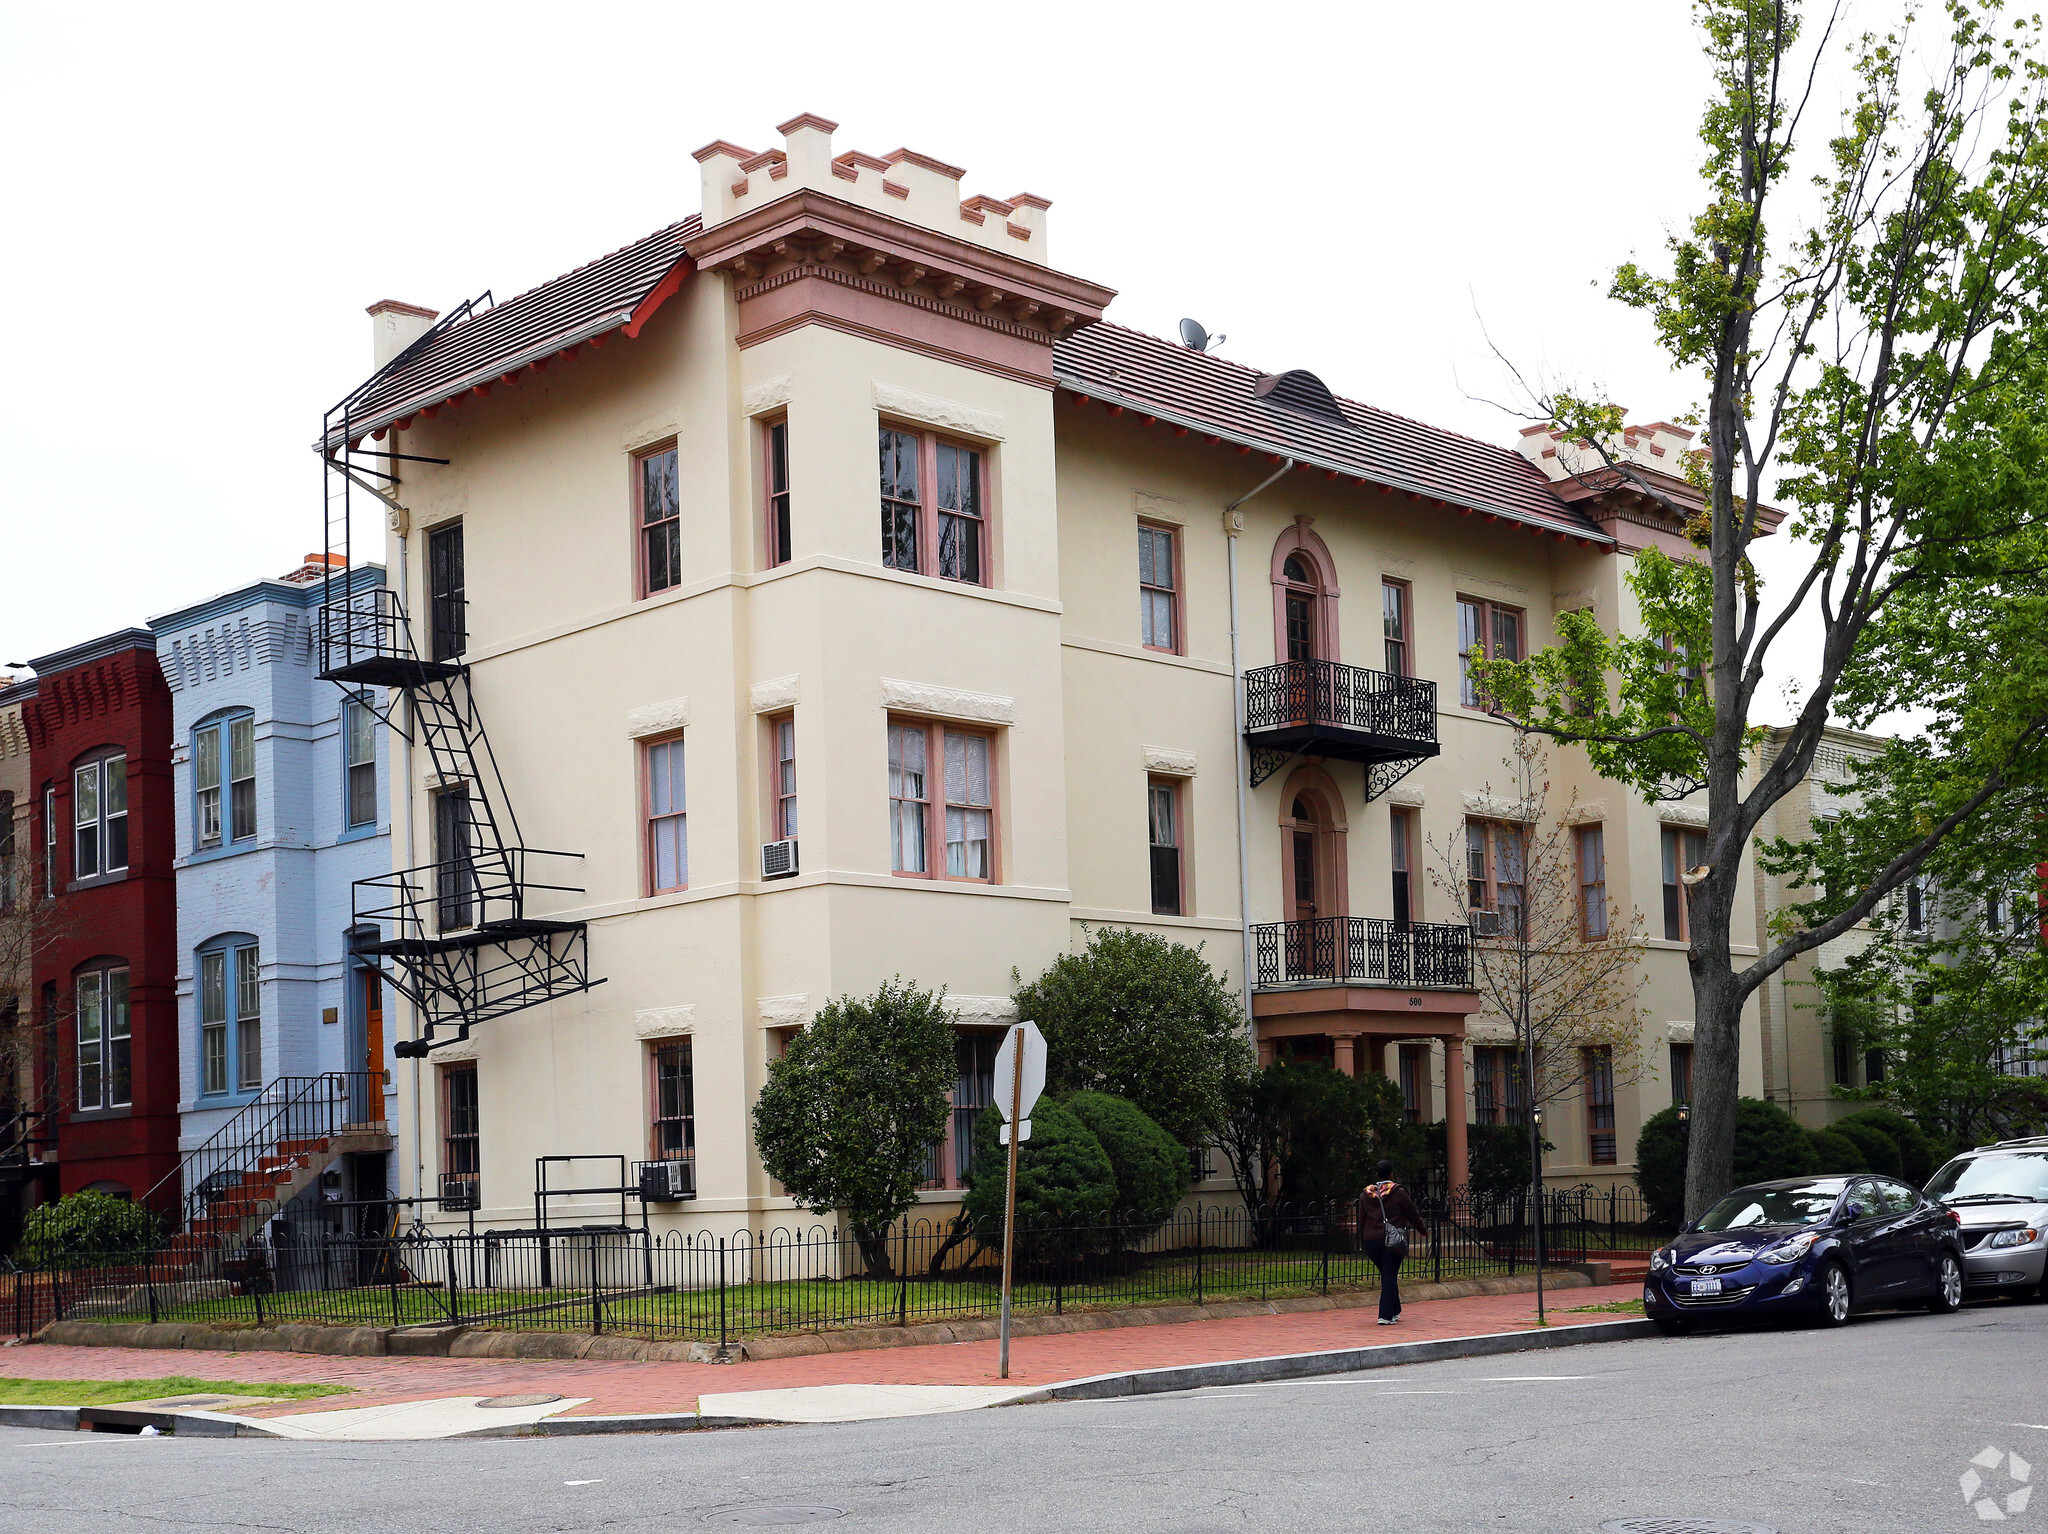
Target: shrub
1917,1155
1880,1150
1496,1158
1151,1168
1660,1168
1328,1129
1835,1152
85,1226
1769,1144
1064,1178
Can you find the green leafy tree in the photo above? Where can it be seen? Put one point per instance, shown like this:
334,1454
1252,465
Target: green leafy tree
1862,302
1329,1129
1917,1159
1144,1019
85,1227
1151,1166
849,1114
1066,1184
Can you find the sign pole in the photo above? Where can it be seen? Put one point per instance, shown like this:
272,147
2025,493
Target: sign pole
1010,1197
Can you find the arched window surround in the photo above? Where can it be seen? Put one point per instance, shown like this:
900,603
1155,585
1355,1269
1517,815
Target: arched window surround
1301,539
223,756
1329,832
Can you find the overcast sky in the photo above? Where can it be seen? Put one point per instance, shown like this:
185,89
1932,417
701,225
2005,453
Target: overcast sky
203,199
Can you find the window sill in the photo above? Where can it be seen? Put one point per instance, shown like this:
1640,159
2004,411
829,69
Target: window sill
232,849
100,1115
813,880
1146,918
361,833
97,881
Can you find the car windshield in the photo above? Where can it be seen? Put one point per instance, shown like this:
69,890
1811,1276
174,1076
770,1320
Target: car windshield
1808,1204
2016,1174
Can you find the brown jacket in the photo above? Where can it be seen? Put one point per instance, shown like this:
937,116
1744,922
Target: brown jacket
1400,1210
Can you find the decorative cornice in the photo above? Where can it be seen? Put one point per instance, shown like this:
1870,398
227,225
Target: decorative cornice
658,718
903,294
948,702
1683,815
772,394
773,696
664,1022
1407,794
1584,811
1168,760
784,1011
948,415
1679,1033
981,1009
1493,807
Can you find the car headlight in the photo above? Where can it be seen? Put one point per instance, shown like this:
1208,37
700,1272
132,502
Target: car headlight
2012,1237
1792,1248
1659,1260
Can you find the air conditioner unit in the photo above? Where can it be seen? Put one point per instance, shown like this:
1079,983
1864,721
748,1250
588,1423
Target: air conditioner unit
778,859
460,1193
1486,924
666,1182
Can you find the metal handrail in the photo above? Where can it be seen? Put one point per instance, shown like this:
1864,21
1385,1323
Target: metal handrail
290,1108
1302,692
1361,950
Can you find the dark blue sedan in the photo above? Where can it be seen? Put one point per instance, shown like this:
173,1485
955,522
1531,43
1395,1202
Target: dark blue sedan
1807,1248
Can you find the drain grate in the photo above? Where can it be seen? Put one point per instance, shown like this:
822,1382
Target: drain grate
1683,1526
518,1400
761,1514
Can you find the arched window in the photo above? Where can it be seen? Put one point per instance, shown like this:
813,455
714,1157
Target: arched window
1304,596
105,1041
99,815
224,781
1312,852
230,995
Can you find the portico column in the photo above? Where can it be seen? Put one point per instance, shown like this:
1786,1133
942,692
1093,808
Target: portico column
1457,1168
1265,1052
1346,1051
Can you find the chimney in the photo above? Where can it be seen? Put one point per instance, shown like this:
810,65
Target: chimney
395,326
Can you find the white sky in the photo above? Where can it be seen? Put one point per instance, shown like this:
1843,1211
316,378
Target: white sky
205,197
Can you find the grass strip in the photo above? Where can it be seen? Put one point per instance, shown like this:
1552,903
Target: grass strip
20,1392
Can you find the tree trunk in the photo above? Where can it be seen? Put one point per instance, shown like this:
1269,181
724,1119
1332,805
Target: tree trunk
1716,1078
874,1251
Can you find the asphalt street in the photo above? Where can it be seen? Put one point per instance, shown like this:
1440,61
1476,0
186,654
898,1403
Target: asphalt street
1869,1428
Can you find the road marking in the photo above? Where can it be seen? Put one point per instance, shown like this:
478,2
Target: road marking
1509,1379
583,1483
1418,1392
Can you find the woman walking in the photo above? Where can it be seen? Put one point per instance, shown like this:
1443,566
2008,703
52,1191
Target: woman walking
1386,1215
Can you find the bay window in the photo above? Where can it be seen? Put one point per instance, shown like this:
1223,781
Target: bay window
941,801
934,507
99,815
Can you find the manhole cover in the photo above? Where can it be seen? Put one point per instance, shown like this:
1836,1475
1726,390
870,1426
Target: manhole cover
1683,1526
761,1514
517,1400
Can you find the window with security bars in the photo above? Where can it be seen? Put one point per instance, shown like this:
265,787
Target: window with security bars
1598,1076
1162,797
1159,588
99,817
661,521
105,1041
941,801
1414,1065
359,747
933,504
675,1103
461,1124
974,1089
1496,1085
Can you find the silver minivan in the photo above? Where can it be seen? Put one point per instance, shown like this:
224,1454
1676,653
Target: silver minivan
2000,1192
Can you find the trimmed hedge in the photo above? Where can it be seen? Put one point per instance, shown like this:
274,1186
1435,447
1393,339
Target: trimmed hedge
84,1223
1064,1176
1151,1167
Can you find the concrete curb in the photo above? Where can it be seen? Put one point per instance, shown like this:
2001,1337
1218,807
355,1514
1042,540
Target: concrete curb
119,1419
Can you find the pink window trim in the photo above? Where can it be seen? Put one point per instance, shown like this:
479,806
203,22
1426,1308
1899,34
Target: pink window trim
769,541
1180,627
634,459
645,790
1332,832
928,499
935,733
1302,539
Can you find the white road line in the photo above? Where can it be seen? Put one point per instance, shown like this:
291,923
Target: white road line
583,1483
1509,1379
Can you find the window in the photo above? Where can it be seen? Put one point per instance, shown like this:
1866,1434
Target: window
1681,1073
1845,1060
359,760
784,733
974,1090
104,1042
99,815
668,842
454,858
1486,631
1682,850
1159,588
1394,605
1873,1066
778,493
1599,1078
224,761
1415,1082
461,1148
1401,857
945,532
1916,906
50,841
230,1019
1162,797
675,1103
1300,620
1496,1085
448,617
1592,882
661,521
8,885
957,762
1494,874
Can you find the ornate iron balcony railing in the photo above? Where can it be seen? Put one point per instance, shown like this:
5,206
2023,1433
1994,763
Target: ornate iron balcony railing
1323,708
1361,950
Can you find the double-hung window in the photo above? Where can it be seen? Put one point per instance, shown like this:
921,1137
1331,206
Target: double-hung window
1496,1085
50,841
941,801
224,781
675,1103
661,521
1681,850
1494,876
1401,857
668,839
1599,1087
359,761
934,507
230,1019
1592,841
461,1133
1394,622
1486,631
99,817
778,493
10,884
1159,588
1681,1073
447,593
1162,797
784,733
105,1079
455,876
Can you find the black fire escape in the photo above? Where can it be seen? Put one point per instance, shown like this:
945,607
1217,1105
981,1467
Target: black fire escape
458,935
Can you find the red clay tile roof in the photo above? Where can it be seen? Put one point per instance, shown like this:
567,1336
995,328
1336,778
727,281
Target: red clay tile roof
620,289
1210,395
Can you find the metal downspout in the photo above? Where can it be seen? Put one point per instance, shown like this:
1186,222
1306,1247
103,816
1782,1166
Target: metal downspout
419,1149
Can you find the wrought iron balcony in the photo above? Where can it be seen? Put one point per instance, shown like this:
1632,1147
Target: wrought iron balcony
1361,950
1321,708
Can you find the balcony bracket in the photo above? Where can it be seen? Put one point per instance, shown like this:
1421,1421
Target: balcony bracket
1267,760
1381,776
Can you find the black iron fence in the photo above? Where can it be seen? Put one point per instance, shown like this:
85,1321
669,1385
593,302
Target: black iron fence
809,1278
1323,692
1361,950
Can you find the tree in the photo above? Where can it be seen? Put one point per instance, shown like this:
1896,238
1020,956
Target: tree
31,923
1144,1019
1066,1184
1880,368
86,1227
1151,1166
849,1114
1316,1129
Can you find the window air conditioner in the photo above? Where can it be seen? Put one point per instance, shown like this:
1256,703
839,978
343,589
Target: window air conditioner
1486,924
778,859
459,1193
665,1182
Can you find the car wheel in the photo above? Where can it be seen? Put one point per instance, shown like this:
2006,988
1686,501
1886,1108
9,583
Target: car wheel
1672,1326
1834,1295
1948,1286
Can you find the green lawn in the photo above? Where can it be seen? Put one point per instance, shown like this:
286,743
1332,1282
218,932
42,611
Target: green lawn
99,1392
1615,1308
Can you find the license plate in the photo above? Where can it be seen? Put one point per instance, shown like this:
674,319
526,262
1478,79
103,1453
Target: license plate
1706,1286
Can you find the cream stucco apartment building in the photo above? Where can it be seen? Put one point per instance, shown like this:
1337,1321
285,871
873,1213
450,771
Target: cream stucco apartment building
851,600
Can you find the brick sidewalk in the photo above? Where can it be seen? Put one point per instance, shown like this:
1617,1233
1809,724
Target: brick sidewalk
631,1388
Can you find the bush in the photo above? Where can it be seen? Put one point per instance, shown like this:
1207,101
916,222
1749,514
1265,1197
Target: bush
1328,1129
1064,1176
1880,1151
1834,1152
1917,1155
1769,1144
1496,1157
85,1226
1151,1168
1660,1168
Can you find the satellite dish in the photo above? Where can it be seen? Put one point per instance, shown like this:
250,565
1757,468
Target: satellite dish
1196,339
